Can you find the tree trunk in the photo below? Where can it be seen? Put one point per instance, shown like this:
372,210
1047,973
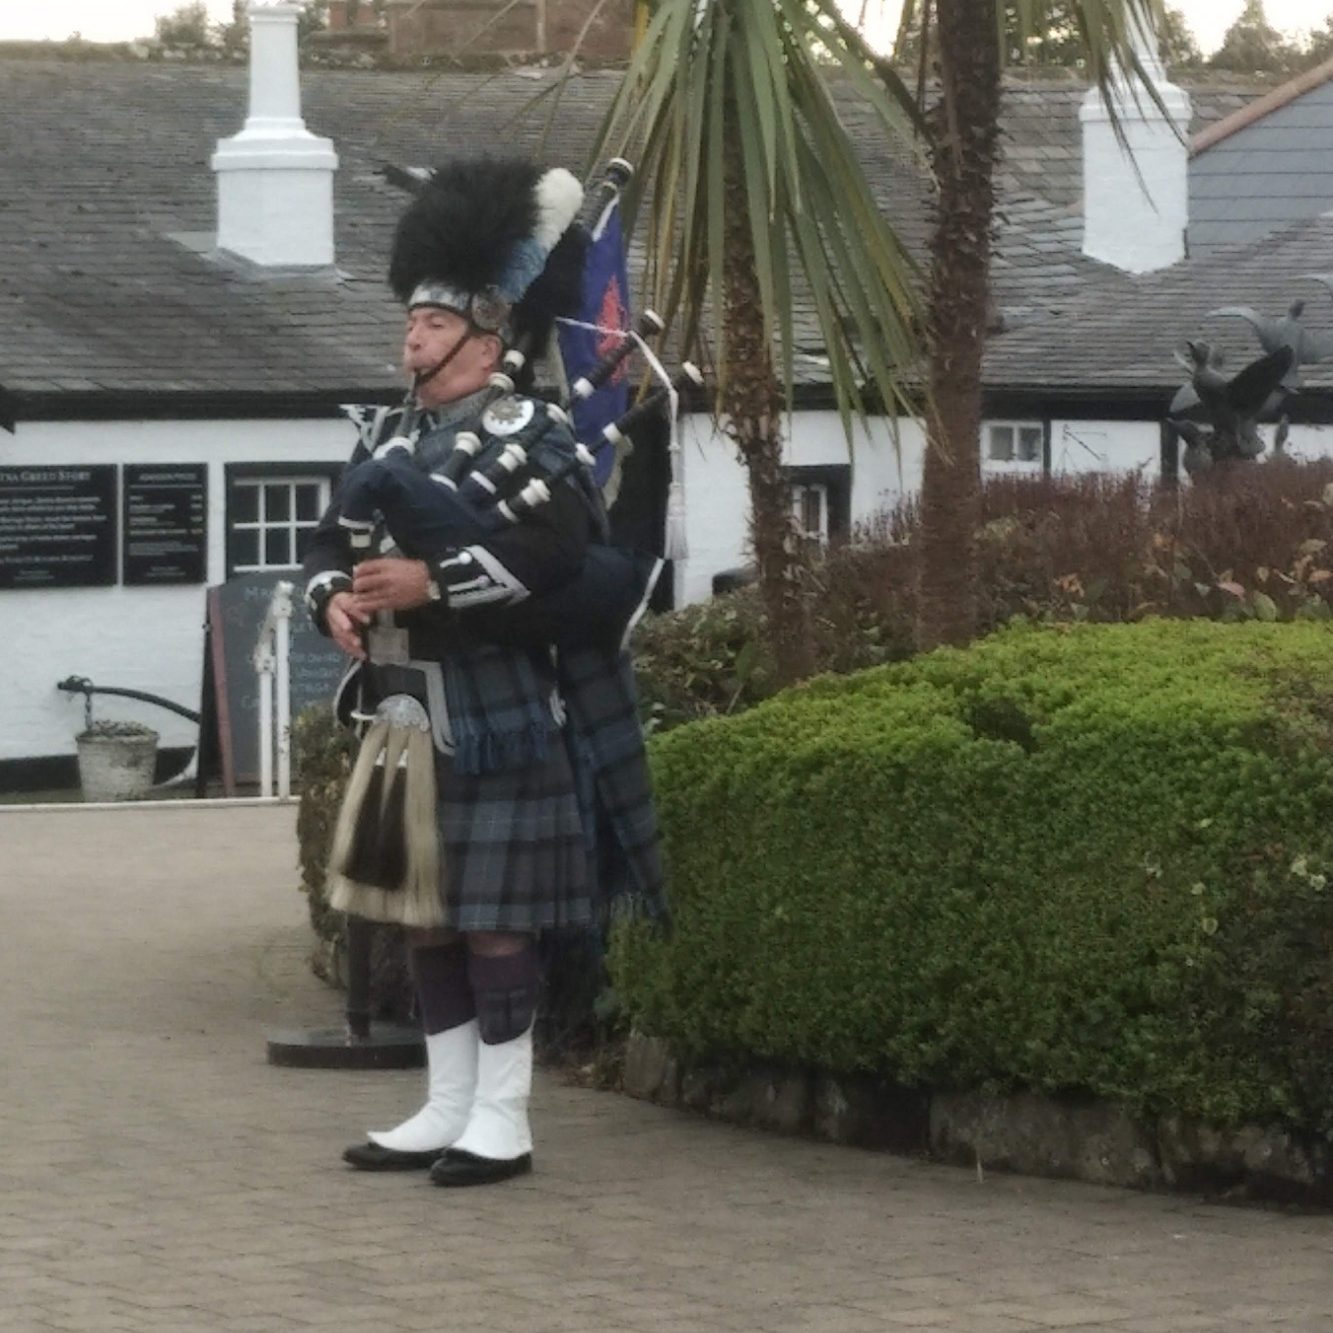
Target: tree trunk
752,404
963,144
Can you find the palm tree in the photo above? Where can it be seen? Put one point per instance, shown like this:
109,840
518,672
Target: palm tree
962,137
751,177
726,106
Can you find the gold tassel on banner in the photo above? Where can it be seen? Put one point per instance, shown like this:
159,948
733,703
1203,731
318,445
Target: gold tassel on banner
385,864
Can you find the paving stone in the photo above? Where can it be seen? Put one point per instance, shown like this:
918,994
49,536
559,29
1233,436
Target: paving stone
171,1180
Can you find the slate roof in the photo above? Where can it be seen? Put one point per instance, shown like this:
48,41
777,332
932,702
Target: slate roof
1268,166
1128,343
1039,267
107,204
97,296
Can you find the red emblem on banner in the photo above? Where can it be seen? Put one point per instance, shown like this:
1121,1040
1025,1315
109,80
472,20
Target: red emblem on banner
612,315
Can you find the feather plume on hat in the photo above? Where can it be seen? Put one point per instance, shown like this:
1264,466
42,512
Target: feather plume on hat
493,239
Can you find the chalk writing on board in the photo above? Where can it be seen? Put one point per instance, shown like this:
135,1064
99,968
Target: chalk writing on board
236,611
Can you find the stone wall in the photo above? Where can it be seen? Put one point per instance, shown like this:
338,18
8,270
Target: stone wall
349,15
509,27
1019,1132
609,36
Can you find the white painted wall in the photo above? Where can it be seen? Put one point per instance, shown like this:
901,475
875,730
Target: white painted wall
717,503
1306,442
1129,446
1106,446
151,638
137,638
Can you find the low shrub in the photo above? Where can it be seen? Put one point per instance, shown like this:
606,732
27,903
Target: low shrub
706,660
1254,543
1090,859
322,755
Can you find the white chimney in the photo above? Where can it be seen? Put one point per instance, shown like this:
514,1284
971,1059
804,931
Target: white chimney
1136,208
275,178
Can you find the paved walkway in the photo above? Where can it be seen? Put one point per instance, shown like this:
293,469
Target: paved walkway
156,1173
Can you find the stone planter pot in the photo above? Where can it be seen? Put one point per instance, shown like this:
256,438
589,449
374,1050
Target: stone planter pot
117,767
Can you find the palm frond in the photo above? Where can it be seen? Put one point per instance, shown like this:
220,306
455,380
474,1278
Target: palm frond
716,81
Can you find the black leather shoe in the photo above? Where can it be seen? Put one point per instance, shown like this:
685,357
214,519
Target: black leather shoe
372,1157
458,1167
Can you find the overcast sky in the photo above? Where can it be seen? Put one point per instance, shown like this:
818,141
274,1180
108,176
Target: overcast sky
1209,19
123,20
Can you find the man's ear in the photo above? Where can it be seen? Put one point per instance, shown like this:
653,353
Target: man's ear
495,350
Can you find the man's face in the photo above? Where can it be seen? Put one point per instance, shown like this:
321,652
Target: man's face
431,335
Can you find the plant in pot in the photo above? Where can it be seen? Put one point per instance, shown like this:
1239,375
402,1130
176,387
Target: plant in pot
116,760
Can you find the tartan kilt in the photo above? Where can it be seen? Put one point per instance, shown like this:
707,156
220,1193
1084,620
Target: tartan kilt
512,847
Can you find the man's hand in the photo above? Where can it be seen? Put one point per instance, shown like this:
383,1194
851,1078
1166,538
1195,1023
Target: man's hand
344,618
391,585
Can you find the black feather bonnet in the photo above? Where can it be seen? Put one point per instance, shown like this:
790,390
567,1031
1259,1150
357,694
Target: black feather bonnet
495,240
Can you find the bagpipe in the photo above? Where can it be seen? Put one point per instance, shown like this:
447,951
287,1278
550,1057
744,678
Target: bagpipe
486,482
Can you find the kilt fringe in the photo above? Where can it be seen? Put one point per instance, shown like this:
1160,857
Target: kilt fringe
385,863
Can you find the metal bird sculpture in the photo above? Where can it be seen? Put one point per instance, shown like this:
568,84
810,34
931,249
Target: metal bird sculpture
1217,415
1281,436
1307,346
1198,455
1325,280
1187,403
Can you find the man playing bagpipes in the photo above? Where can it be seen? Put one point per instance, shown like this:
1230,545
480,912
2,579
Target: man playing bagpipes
501,788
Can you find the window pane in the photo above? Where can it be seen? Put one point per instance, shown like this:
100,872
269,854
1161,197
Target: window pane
277,547
244,504
1029,444
307,501
278,502
303,536
1001,444
243,548
811,511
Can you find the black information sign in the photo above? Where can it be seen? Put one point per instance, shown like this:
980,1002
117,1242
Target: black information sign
166,523
236,610
57,527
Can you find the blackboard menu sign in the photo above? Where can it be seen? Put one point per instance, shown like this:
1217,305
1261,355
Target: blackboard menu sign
236,611
57,527
165,523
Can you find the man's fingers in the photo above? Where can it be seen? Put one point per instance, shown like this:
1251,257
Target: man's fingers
389,585
373,571
344,617
348,606
369,585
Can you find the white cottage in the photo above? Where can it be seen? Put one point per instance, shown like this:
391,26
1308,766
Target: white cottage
191,282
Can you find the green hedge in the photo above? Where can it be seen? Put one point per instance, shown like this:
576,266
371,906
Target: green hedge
1083,860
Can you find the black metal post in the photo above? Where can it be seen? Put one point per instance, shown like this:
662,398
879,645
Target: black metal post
358,936
1170,457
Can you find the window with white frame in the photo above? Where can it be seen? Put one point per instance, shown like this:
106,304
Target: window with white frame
821,501
270,519
810,504
1020,442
